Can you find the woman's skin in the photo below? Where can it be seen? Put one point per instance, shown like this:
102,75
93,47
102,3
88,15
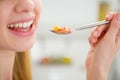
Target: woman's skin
104,40
105,43
18,21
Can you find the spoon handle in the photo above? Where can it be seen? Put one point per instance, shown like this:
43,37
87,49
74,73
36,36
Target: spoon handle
92,25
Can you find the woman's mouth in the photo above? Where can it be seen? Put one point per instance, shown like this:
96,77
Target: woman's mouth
22,28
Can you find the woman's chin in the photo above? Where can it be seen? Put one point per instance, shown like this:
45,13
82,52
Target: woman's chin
24,47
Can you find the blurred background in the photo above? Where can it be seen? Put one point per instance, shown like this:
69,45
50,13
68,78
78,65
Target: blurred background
62,57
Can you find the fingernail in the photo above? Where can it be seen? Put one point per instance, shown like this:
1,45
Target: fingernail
107,15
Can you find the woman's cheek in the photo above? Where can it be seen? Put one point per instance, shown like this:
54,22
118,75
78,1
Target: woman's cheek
38,7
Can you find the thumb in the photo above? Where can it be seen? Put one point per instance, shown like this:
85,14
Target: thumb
114,27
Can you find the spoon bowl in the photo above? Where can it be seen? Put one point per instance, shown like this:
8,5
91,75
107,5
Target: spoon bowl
61,33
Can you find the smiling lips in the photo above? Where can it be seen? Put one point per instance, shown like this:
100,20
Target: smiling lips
22,29
22,26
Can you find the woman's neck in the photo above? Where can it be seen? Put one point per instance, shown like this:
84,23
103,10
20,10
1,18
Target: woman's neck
6,64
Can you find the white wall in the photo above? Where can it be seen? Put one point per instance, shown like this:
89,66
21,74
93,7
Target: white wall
71,13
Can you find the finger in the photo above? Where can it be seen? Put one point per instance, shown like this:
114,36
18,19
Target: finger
114,27
92,37
109,16
99,30
102,30
91,41
97,34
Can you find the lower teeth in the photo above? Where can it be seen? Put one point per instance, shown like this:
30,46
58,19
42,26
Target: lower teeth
20,29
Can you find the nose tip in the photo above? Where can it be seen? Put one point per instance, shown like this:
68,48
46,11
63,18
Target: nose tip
23,6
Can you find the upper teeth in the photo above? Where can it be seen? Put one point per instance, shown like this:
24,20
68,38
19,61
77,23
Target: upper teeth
21,25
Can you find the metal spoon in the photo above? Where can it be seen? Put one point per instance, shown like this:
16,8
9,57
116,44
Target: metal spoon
95,24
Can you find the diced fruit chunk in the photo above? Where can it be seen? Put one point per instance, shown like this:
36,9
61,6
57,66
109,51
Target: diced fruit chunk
61,29
56,28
